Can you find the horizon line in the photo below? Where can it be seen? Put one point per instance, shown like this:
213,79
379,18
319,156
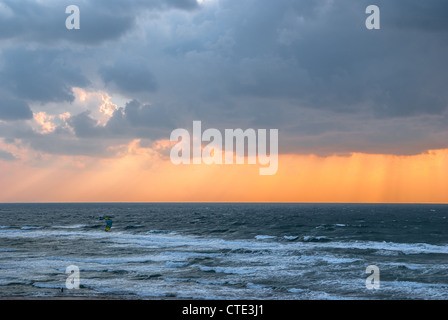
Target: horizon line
219,202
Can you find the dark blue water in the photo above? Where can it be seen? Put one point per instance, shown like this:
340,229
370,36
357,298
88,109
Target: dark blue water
225,251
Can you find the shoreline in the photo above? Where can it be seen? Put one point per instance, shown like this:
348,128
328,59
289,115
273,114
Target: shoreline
105,297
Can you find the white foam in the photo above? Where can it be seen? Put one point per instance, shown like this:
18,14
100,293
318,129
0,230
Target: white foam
406,248
296,290
251,285
105,261
264,237
413,289
338,260
315,238
75,226
291,238
47,285
175,264
241,262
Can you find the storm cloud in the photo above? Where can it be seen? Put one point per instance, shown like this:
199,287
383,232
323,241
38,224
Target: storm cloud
40,75
308,68
11,109
129,77
102,20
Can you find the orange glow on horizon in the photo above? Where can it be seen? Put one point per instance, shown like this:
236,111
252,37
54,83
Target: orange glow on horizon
144,175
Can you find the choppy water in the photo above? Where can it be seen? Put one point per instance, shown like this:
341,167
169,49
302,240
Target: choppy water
225,251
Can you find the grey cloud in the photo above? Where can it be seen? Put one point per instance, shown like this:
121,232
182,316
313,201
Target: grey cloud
138,120
317,53
416,16
7,156
135,120
12,109
129,76
181,4
59,144
101,20
309,68
84,125
334,63
146,115
290,56
40,75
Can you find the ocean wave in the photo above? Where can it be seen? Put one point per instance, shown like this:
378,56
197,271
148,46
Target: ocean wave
47,285
405,248
432,291
227,270
31,228
136,226
340,260
316,239
176,264
104,261
251,285
161,231
384,248
290,238
4,283
199,281
297,290
75,226
264,237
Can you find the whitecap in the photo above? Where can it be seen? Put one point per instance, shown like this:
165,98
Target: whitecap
175,264
296,290
251,285
316,239
75,226
264,237
47,285
30,228
336,260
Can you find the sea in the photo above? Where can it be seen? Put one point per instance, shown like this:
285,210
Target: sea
224,251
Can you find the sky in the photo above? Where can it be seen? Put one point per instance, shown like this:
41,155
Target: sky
86,114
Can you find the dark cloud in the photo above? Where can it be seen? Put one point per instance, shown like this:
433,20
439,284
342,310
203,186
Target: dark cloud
39,22
63,144
42,75
418,16
137,120
129,76
12,109
7,156
101,20
320,54
84,125
308,68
